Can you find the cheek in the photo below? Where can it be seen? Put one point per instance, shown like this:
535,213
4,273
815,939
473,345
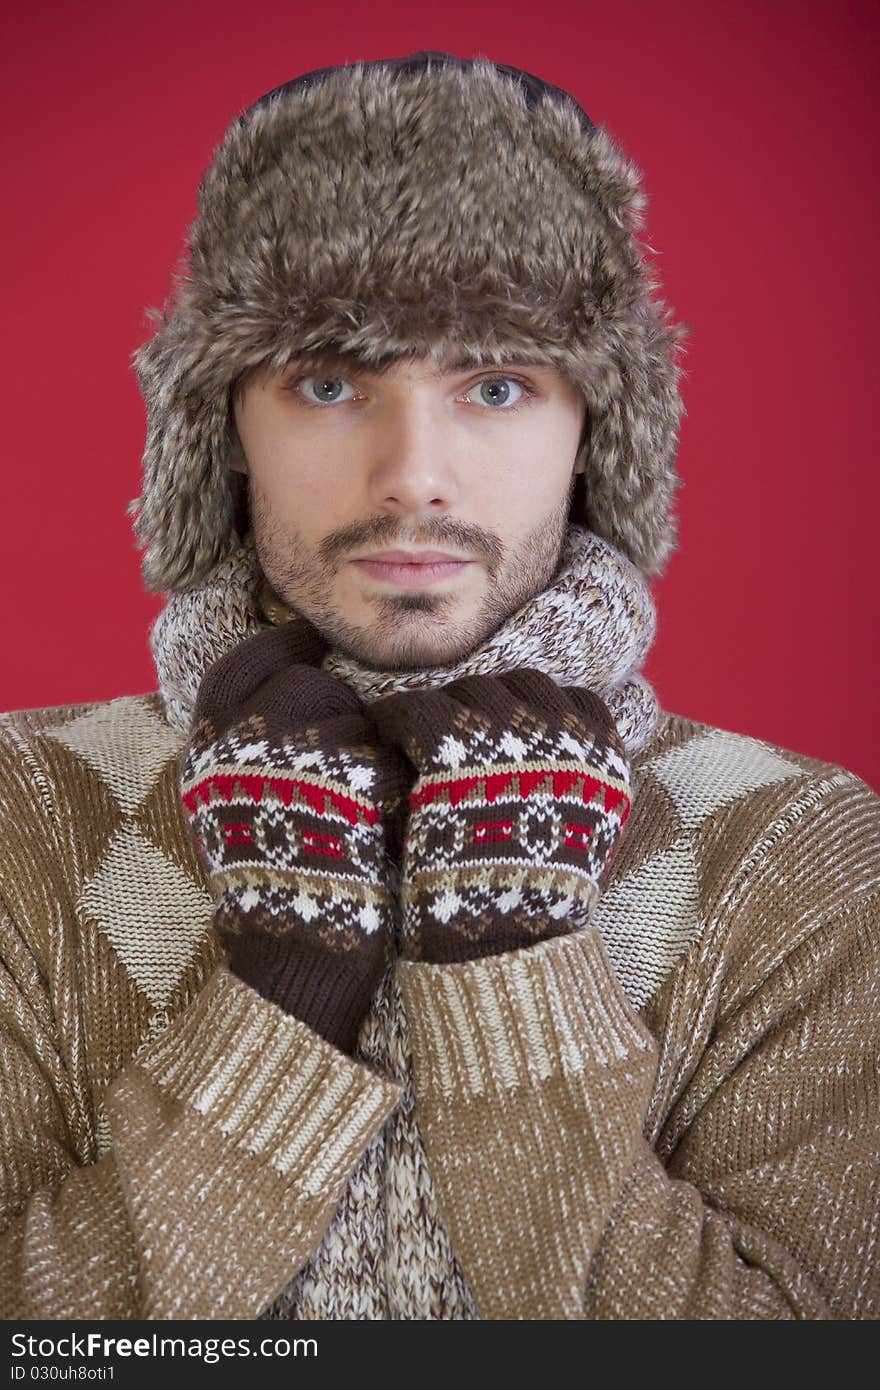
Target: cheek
300,496
528,487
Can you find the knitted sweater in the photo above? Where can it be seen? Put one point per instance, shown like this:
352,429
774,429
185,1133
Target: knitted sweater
672,1114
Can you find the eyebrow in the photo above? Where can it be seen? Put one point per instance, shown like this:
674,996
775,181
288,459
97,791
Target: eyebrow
329,361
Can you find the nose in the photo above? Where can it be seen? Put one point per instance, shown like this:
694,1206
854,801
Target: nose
413,465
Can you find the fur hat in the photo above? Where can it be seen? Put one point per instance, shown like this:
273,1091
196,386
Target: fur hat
419,206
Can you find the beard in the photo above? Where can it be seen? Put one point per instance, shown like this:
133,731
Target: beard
409,630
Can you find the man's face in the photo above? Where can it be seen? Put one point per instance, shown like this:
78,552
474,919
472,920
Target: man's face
474,462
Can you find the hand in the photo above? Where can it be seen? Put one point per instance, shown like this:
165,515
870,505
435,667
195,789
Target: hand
282,784
521,793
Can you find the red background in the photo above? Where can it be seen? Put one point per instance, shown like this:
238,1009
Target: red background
756,127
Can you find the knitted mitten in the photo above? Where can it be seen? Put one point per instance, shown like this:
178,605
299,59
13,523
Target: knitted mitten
520,797
281,781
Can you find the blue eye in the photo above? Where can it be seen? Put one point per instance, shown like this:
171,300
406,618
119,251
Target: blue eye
322,383
494,390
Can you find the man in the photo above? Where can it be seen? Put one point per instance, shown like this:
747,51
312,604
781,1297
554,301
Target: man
400,957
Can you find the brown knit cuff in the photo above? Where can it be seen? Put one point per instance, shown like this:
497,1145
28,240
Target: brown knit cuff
437,943
327,990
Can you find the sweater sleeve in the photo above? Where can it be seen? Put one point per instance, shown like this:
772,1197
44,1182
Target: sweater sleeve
759,1195
233,1134
232,1131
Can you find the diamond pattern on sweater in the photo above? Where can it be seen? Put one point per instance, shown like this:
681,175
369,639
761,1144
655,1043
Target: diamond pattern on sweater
125,1006
153,914
706,772
160,819
125,742
649,918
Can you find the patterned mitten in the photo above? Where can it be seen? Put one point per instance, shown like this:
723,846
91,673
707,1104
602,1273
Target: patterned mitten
521,793
281,781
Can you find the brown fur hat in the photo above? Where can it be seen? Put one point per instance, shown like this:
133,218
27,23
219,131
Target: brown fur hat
421,206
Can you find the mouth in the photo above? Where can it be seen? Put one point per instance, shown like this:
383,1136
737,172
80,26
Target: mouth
408,575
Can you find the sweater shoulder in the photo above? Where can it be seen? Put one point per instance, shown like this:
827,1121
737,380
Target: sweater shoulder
141,717
705,743
99,882
736,841
58,754
89,797
702,767
741,802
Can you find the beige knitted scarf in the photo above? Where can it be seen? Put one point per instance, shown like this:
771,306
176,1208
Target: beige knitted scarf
592,626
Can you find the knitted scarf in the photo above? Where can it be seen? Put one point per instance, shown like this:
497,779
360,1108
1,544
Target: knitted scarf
592,626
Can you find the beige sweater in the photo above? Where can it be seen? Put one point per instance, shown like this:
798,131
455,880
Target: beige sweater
672,1115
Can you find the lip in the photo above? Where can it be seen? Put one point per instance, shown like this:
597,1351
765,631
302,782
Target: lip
412,576
412,557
